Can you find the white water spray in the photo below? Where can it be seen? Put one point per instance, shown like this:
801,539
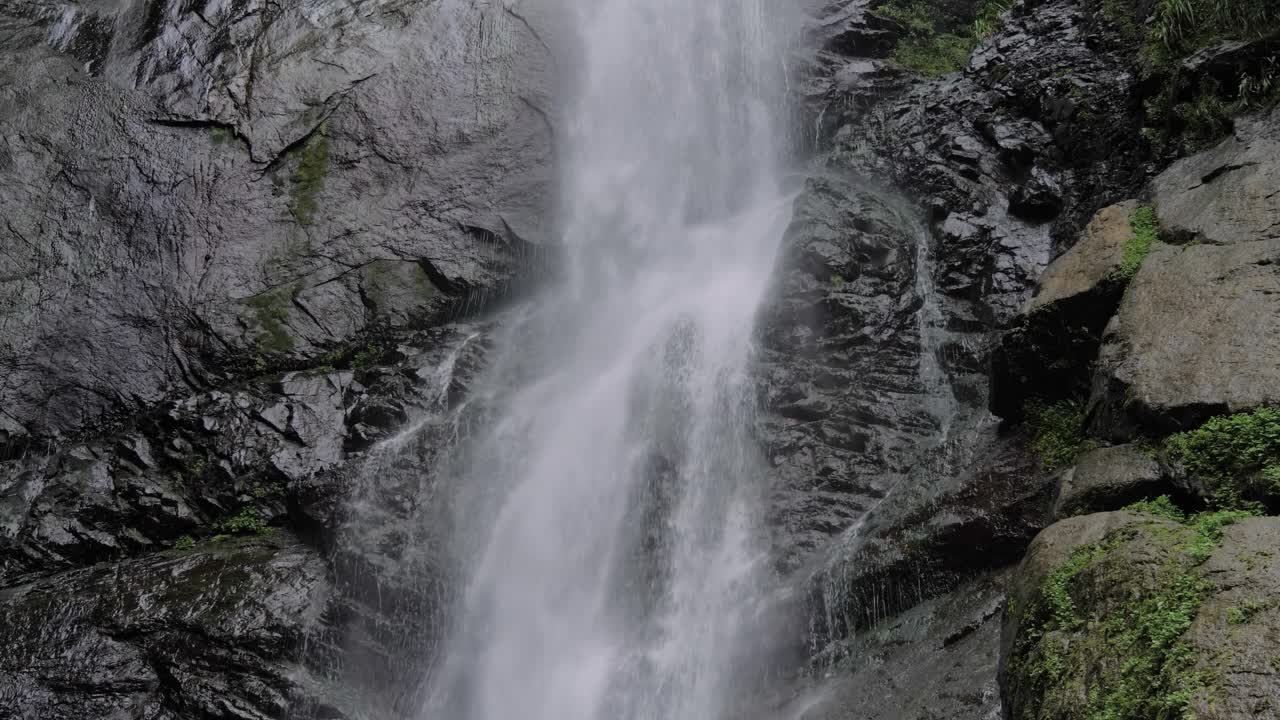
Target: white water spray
607,522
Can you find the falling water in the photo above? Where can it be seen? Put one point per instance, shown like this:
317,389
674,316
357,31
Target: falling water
607,520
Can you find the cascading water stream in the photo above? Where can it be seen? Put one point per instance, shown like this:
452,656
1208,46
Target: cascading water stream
606,523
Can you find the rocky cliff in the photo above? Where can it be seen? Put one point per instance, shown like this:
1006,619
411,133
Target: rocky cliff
1031,276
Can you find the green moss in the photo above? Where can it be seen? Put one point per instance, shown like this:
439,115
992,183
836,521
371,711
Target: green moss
1146,231
935,55
1058,433
246,522
1088,635
1236,457
219,135
271,310
308,178
186,542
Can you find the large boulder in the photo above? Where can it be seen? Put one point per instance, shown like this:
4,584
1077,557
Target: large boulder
212,632
1197,335
192,194
1227,194
1198,331
1136,615
1048,350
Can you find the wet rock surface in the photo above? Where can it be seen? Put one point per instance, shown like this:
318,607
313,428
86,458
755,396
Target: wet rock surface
1109,478
188,194
216,631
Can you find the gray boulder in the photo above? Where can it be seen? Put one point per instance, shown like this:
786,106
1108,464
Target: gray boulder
1227,194
1109,478
1136,615
1197,335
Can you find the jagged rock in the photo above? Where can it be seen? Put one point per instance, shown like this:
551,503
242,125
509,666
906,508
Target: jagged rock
1109,478
1228,194
936,660
211,632
1048,351
1125,610
1197,335
187,189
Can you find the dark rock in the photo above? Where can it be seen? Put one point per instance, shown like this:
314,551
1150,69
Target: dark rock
1049,351
1038,199
189,193
936,660
212,632
1110,478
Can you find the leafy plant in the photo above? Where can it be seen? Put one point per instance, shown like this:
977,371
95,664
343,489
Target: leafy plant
246,522
1236,457
1160,507
186,542
1146,231
1058,433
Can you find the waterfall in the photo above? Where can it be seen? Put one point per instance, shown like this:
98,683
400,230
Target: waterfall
607,519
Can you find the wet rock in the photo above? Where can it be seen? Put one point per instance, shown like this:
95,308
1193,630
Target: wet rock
1227,194
936,660
1197,335
1120,610
1110,478
212,632
210,172
1048,351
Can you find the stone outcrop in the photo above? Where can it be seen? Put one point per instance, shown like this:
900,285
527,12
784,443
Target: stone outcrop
1133,615
1110,477
201,633
1047,352
189,195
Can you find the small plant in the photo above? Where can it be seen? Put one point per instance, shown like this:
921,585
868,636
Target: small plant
1244,612
186,542
370,355
989,20
1058,433
1160,507
1146,231
837,281
219,135
1236,457
246,522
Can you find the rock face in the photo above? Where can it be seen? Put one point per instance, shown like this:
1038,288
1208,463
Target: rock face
1195,337
1108,478
1047,352
1225,195
190,194
211,632
1132,615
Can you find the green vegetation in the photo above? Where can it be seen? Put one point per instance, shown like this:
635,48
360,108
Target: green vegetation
308,179
1058,433
1126,654
271,310
1160,507
186,542
1244,612
370,355
1182,117
219,135
1146,231
1236,457
248,521
934,44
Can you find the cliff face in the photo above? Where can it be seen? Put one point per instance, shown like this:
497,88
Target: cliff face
247,241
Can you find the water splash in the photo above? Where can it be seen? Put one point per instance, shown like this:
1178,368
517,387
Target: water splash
608,519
